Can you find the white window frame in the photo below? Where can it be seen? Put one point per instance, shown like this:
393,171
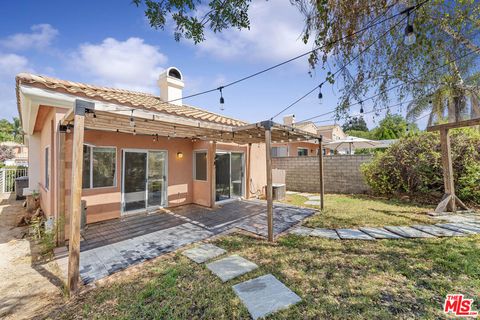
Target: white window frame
195,166
280,147
91,167
46,170
302,148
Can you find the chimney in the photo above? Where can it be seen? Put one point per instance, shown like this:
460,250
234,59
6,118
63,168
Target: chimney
171,85
289,120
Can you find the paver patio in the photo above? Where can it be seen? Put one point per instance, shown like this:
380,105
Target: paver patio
265,295
231,267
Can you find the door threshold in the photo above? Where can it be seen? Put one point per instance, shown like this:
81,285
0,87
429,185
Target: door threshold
228,200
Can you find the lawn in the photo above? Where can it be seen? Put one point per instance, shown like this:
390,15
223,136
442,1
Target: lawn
388,279
346,211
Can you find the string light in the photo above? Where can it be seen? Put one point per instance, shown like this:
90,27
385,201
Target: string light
222,100
361,107
174,131
410,37
134,132
320,95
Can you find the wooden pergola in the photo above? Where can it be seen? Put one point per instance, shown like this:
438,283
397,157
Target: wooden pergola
88,115
450,201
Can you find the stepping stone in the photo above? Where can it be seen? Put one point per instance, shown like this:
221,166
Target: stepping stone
408,232
437,231
463,226
292,192
453,227
312,203
203,253
302,231
304,194
324,233
231,267
353,234
380,233
265,295
317,198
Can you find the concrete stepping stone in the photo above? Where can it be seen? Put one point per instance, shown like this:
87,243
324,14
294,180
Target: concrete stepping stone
438,232
292,192
324,233
466,227
304,194
302,231
203,253
453,227
312,203
353,234
231,267
408,232
380,233
265,295
317,198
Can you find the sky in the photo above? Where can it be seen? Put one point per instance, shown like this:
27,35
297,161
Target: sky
110,43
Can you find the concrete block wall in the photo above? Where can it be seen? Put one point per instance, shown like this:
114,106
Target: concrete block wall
341,173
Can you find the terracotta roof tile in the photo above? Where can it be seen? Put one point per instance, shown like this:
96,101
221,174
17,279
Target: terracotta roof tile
125,97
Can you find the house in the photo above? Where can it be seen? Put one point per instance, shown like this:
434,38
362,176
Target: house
20,154
125,152
288,147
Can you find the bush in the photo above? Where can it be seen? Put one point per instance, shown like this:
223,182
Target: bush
413,165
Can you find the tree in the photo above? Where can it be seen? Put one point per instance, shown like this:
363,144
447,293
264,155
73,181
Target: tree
11,131
6,153
355,123
445,32
17,130
393,126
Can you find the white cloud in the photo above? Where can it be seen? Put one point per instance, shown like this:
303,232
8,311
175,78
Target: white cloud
130,64
274,35
41,37
10,65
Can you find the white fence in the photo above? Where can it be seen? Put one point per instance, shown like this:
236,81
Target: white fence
8,176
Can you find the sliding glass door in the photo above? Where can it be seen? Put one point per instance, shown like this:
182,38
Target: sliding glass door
144,180
229,174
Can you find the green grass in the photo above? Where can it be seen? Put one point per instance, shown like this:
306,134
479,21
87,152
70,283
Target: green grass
388,279
346,211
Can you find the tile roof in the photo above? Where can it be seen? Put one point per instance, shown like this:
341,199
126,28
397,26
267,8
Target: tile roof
124,97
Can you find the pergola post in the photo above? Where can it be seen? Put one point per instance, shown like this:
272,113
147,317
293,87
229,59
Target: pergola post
213,152
60,223
76,194
447,170
320,172
268,150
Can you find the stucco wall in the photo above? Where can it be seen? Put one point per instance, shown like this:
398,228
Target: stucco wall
341,173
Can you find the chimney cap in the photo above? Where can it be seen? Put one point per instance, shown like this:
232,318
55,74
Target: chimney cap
172,72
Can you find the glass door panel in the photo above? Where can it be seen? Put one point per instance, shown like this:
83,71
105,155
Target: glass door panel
134,180
237,174
157,178
222,176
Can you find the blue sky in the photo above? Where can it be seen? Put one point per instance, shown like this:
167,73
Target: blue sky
110,43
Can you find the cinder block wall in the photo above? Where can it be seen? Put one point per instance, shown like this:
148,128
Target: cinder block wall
342,173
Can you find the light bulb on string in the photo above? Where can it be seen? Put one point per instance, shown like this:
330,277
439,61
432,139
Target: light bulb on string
361,107
132,120
320,95
410,36
222,100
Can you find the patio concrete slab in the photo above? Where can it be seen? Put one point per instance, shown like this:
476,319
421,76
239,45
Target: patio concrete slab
302,231
203,252
408,232
265,295
324,233
353,234
380,233
231,267
312,203
438,232
454,227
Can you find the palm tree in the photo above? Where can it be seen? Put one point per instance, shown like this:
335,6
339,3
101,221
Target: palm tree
17,130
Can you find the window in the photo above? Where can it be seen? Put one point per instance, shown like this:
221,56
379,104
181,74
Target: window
279,152
302,151
99,167
200,165
47,167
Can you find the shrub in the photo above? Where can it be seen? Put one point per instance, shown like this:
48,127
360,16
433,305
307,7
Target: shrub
413,165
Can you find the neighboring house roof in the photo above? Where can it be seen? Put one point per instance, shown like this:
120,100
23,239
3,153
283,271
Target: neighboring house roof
124,97
327,127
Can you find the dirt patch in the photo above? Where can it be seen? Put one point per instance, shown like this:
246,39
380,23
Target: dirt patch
28,285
